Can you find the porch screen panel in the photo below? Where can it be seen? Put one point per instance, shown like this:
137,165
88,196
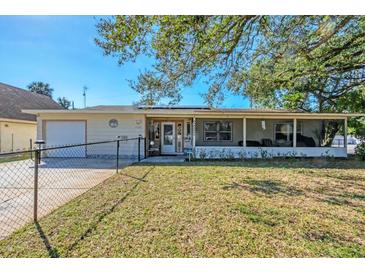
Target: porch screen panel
321,133
270,132
284,131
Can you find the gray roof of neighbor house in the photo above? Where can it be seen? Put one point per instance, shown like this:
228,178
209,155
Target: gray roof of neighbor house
13,100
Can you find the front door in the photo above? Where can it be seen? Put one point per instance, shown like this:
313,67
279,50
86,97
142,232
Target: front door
168,138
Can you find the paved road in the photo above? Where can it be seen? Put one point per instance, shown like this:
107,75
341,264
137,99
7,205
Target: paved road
60,180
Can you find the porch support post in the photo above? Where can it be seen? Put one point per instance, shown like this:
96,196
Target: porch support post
345,134
194,130
244,131
295,133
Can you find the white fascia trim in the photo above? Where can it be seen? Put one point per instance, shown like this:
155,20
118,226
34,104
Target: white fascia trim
160,113
18,121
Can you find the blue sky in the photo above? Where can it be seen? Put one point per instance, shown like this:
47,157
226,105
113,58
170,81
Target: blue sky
60,50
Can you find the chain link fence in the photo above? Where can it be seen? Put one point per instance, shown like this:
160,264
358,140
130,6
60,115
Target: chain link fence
37,181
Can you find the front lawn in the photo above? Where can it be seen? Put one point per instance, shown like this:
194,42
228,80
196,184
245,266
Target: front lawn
14,157
283,208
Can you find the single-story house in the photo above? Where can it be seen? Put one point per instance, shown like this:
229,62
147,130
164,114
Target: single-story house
17,128
204,131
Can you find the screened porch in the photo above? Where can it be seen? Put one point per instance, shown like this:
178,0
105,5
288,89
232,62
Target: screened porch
273,137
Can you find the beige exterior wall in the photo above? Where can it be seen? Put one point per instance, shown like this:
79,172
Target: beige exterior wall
98,129
15,136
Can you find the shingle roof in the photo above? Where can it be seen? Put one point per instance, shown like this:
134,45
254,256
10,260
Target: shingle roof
173,107
111,107
13,100
251,110
197,109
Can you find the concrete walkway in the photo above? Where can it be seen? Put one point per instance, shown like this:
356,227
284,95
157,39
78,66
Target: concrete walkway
60,180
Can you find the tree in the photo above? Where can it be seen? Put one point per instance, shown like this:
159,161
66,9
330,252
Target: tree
294,59
311,63
318,64
41,88
63,102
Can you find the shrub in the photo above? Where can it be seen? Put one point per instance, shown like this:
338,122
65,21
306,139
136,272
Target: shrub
327,155
242,154
202,154
212,154
222,154
229,155
265,154
303,155
360,150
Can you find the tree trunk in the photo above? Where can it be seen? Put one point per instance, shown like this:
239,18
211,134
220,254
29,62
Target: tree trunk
329,131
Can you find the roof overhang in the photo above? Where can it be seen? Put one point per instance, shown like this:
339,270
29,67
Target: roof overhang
91,111
202,114
283,115
18,121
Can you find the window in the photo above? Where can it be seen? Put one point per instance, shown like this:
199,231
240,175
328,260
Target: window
218,131
188,129
210,131
168,134
284,131
113,123
156,130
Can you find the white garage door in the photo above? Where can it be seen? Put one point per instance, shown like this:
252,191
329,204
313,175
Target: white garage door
61,133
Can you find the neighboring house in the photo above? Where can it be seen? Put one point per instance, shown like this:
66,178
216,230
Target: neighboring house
18,128
208,132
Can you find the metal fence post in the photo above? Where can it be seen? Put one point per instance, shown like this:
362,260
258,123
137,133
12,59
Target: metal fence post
39,143
145,148
31,148
35,206
139,148
118,144
37,161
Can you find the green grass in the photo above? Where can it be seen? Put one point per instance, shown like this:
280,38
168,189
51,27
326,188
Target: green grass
283,208
15,157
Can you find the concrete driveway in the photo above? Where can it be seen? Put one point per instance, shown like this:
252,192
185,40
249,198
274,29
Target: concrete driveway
60,180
